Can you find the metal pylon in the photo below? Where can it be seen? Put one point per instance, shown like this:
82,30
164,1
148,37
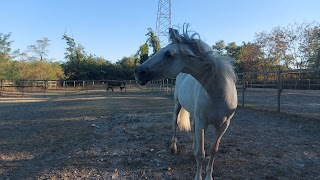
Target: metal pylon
163,21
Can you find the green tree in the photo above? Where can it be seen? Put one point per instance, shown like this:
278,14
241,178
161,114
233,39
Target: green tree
153,40
312,49
231,49
219,47
144,53
7,70
127,65
75,67
249,58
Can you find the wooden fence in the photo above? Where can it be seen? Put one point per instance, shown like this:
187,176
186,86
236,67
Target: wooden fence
277,83
44,88
282,90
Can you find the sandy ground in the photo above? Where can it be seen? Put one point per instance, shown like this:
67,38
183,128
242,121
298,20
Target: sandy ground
127,136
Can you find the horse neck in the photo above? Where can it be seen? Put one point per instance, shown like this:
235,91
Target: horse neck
202,72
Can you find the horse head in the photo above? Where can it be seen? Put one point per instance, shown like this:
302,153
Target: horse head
168,62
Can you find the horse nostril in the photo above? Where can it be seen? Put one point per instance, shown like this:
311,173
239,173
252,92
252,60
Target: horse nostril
140,71
143,72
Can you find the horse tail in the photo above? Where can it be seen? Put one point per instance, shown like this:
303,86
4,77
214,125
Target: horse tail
184,120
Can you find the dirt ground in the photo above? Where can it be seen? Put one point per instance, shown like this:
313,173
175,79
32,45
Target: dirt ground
127,136
299,102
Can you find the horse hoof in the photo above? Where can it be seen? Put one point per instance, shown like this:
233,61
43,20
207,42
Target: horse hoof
174,149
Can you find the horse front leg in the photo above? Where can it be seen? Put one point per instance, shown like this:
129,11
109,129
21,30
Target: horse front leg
199,149
214,148
177,108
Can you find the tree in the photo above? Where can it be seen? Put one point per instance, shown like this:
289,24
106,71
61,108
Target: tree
312,46
305,43
70,50
144,53
76,57
249,58
275,46
219,47
293,46
7,70
40,48
153,41
127,65
6,53
232,49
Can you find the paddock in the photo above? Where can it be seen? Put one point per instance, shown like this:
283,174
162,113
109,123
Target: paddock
127,136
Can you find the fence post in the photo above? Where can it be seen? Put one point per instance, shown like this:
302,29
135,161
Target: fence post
107,87
243,87
279,89
65,87
86,87
125,86
167,89
171,86
1,88
22,88
45,87
163,85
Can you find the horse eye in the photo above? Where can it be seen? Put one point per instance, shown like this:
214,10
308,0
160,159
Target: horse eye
168,54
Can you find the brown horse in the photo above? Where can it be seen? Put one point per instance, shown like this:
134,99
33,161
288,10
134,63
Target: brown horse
112,84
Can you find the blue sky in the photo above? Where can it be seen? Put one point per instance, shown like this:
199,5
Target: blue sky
116,28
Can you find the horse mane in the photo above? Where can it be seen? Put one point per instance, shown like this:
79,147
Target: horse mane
219,68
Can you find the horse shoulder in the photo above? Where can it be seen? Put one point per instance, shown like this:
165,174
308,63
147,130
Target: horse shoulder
187,88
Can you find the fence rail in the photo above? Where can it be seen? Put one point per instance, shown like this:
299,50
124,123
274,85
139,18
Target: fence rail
282,90
43,88
292,91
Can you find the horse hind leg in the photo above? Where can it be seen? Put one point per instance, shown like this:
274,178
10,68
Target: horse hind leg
177,108
214,148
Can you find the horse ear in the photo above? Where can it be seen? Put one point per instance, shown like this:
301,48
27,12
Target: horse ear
173,33
189,53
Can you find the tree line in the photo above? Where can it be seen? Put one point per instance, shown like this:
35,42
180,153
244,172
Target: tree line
33,64
295,46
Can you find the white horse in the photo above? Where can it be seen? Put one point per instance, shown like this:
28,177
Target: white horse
205,87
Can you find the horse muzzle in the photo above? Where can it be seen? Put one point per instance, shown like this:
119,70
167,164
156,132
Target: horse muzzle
141,75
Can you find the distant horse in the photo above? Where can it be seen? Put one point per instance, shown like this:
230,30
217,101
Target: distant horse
112,84
205,87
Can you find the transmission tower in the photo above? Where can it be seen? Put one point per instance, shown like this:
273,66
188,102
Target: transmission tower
163,21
